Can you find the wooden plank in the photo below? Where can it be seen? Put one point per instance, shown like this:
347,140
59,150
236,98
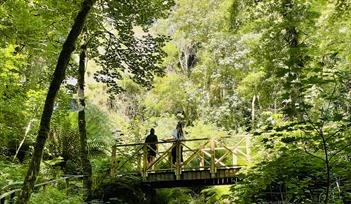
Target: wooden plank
145,162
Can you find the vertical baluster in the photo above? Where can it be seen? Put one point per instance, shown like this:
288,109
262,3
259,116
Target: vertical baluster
170,158
145,161
213,157
178,156
248,150
202,155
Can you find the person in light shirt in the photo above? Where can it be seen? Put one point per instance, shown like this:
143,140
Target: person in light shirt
178,134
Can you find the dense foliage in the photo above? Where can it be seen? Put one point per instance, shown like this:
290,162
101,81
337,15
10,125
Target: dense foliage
279,70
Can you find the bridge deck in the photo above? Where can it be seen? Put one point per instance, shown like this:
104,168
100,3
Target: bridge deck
192,178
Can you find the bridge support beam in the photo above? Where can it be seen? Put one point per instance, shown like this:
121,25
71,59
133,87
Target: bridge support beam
178,160
202,157
248,146
145,161
213,168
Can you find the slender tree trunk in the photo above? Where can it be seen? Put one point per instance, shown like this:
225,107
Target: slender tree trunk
24,138
327,166
253,112
58,76
180,60
87,181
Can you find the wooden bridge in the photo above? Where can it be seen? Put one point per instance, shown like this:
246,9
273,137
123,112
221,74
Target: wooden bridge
213,161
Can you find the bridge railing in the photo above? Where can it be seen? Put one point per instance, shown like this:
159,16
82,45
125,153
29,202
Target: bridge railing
11,196
198,154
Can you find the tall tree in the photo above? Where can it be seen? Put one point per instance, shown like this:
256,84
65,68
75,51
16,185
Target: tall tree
58,76
84,152
307,64
31,36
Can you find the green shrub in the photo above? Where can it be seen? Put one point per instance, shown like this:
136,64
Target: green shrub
11,173
173,196
54,195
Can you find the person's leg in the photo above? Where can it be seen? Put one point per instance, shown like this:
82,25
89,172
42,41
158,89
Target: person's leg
174,154
181,153
152,159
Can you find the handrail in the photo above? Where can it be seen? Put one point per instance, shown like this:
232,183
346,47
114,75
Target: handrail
10,186
9,193
60,179
169,141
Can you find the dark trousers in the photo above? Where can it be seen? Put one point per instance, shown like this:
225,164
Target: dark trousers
174,154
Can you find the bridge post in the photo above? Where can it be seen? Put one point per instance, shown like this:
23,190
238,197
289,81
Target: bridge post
235,158
248,146
145,162
178,160
202,161
113,160
213,169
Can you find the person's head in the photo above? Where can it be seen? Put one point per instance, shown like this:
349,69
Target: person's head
152,131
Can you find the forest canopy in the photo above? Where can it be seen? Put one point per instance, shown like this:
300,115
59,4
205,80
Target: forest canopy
77,75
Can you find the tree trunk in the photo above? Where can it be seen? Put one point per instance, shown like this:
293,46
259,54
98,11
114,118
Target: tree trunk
253,113
55,84
84,154
24,138
327,165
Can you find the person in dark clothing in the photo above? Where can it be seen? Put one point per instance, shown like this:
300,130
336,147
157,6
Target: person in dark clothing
178,134
151,140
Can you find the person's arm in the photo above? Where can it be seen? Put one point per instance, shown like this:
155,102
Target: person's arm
156,144
168,140
174,135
